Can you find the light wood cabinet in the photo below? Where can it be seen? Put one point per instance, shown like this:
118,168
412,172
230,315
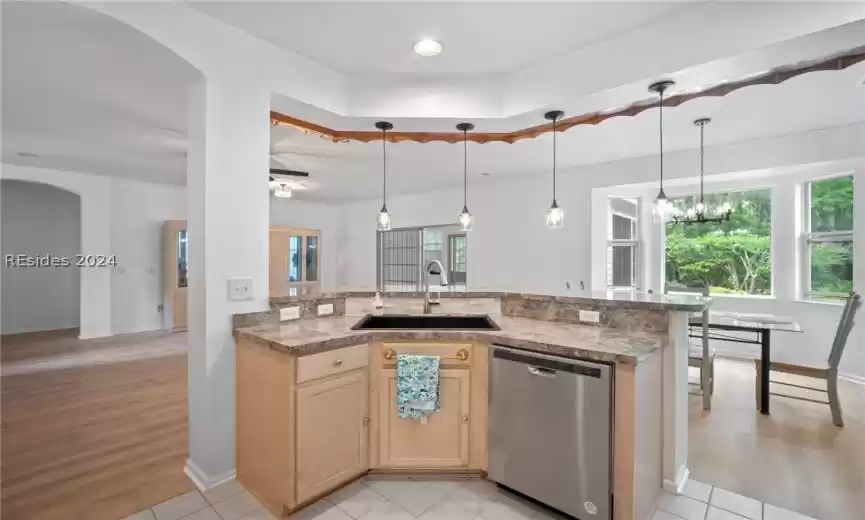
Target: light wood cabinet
307,425
332,432
442,441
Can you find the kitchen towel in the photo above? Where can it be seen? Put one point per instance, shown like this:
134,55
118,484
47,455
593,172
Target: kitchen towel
417,386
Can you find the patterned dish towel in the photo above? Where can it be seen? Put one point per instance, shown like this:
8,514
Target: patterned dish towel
417,386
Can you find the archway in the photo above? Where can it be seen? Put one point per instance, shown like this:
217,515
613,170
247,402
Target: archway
41,238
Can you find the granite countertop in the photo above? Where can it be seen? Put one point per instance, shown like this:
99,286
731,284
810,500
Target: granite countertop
620,299
304,337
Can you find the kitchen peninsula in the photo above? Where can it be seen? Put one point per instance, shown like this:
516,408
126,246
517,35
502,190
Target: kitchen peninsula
316,395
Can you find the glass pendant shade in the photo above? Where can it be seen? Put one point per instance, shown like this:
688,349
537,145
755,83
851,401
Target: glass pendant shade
465,219
663,210
383,221
555,217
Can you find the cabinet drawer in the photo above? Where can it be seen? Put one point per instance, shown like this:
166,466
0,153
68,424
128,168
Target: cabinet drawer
332,362
451,354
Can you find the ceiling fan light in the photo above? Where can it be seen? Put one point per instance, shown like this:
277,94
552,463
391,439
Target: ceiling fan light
281,190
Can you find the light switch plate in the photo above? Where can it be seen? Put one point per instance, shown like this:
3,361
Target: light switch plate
325,310
239,288
590,316
289,313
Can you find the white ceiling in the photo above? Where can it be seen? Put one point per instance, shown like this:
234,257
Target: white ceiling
353,170
477,37
86,93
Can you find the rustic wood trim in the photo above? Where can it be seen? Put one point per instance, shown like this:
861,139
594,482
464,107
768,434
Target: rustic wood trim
774,76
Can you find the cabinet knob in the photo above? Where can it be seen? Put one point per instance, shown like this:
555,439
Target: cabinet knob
337,363
390,354
366,420
462,354
466,419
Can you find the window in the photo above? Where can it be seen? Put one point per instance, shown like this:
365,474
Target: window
623,245
828,238
403,254
733,257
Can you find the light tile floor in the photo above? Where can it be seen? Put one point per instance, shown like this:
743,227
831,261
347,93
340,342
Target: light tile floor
405,499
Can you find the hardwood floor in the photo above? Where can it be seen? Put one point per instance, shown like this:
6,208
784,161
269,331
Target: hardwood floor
97,441
795,458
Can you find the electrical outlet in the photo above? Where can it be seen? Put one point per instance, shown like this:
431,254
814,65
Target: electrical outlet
239,289
289,313
325,310
590,316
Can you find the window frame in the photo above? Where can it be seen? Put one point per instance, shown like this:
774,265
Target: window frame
635,244
808,237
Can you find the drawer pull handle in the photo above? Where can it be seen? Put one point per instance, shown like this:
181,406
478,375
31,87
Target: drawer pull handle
366,420
466,419
463,354
390,354
337,363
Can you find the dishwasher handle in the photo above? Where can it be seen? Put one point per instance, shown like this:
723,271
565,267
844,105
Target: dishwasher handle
541,371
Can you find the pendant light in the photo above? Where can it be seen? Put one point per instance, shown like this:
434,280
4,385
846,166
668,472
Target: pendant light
465,217
383,221
698,214
555,215
662,210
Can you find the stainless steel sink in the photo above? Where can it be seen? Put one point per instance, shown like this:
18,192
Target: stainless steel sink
425,322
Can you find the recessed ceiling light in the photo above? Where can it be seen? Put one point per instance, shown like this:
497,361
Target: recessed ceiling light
27,154
428,47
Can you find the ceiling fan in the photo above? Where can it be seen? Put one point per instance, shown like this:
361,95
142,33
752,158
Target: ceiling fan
283,182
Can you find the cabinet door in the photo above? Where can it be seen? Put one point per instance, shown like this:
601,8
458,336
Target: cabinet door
332,432
441,442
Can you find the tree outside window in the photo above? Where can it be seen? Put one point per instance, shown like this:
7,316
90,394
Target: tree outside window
733,257
828,238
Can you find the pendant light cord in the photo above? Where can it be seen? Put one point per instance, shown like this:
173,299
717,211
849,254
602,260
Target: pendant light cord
554,159
702,126
465,167
661,132
384,158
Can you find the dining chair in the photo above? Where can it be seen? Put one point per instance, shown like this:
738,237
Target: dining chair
828,373
699,350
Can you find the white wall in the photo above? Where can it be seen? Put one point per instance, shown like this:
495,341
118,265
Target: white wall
316,215
508,248
123,218
38,219
138,210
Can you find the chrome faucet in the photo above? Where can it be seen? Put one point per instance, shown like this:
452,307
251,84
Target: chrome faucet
444,281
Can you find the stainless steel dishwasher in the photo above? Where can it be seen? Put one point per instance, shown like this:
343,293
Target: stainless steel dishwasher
550,430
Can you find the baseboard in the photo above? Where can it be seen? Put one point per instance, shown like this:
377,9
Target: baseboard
859,380
40,334
678,486
202,480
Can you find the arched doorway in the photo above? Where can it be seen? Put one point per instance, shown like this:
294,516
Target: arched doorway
41,236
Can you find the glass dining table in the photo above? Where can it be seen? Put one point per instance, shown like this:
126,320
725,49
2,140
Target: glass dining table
722,323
